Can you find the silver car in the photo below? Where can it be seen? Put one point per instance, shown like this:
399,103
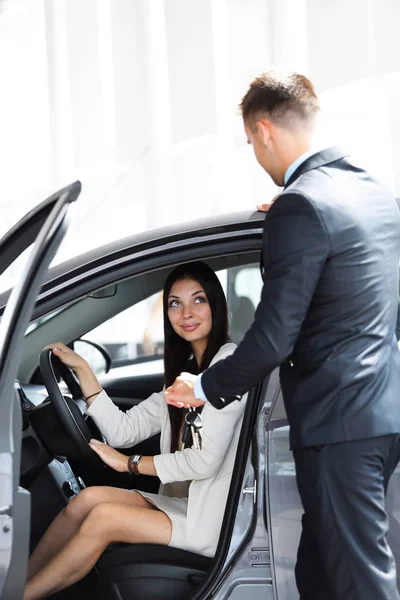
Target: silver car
104,304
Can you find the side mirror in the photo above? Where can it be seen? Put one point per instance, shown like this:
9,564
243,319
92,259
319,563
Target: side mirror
95,355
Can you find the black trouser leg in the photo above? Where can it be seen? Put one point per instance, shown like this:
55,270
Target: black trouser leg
309,570
343,553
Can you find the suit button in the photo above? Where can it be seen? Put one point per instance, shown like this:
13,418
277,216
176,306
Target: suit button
238,397
222,400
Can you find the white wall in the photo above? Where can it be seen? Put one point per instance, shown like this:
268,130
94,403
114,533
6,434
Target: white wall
138,99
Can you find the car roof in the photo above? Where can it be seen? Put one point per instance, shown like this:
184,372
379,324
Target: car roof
203,226
216,225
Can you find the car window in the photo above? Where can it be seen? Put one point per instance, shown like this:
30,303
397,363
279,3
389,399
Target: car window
137,335
248,283
133,334
243,295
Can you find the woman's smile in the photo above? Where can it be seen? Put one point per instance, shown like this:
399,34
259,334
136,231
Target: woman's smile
190,326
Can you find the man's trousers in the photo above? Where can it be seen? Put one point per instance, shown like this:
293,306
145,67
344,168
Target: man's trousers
343,552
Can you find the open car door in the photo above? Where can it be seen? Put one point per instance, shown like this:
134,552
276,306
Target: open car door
44,227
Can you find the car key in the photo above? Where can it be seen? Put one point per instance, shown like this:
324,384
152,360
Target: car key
193,419
185,435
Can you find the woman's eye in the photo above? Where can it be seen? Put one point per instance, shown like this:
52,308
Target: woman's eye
174,303
200,300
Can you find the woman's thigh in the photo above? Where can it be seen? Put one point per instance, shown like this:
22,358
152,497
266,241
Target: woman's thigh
128,523
80,506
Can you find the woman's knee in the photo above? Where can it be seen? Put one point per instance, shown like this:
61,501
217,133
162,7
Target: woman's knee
80,506
99,521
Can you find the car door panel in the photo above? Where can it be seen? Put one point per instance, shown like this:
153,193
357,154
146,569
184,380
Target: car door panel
285,509
393,509
22,508
131,390
285,506
48,222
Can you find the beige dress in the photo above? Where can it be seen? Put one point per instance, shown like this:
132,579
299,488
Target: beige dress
195,483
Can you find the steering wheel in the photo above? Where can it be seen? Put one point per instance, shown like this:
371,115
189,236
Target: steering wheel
80,427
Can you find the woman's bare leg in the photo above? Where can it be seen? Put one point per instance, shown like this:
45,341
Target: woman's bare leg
69,520
106,523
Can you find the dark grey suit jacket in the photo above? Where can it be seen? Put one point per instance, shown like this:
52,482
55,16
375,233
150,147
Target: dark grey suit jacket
328,308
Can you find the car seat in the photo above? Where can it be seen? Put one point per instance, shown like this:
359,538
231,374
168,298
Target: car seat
144,571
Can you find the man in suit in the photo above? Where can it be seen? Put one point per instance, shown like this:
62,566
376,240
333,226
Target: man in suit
327,316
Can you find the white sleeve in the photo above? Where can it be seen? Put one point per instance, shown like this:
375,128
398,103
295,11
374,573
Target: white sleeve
124,429
217,432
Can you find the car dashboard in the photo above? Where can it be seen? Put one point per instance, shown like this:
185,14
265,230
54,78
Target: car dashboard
35,455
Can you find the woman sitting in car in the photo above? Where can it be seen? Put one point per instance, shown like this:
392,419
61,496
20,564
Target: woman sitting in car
195,471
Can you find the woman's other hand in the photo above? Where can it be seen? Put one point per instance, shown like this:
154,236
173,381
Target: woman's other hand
110,456
119,462
70,358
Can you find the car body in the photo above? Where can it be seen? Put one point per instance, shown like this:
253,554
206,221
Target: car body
85,301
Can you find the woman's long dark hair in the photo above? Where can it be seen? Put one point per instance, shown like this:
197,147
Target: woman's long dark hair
177,351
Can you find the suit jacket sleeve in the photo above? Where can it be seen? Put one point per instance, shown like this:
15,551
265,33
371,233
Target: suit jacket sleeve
125,429
295,249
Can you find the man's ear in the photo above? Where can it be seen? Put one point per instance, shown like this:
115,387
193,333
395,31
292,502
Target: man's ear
264,130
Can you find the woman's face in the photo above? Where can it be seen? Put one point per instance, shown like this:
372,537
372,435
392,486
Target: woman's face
189,311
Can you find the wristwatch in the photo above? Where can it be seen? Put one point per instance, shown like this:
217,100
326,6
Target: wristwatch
133,464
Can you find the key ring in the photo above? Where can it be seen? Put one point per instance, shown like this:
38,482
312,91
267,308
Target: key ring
186,416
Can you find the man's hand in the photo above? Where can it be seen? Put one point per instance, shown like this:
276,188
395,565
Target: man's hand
181,392
265,207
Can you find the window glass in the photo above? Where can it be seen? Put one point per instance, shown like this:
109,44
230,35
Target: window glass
243,295
134,333
248,283
137,333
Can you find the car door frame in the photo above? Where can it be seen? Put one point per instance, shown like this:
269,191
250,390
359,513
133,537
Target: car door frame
45,227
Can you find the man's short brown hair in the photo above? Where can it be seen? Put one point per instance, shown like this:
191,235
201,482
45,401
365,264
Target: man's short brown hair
280,98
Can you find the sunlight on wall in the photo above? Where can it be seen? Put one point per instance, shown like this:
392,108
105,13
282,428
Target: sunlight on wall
138,99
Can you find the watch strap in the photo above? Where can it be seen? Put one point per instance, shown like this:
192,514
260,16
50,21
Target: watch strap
133,463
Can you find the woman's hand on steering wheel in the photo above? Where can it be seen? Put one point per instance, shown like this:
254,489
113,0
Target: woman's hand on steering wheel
70,358
87,379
